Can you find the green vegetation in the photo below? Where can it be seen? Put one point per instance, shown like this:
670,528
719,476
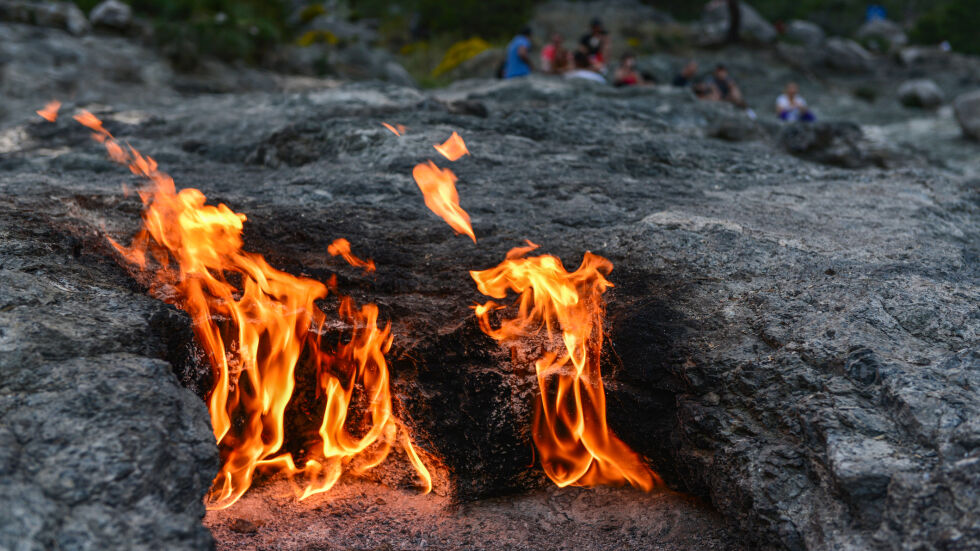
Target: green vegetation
228,29
955,21
460,19
424,30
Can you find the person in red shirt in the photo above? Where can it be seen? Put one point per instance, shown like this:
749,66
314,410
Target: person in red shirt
554,56
626,74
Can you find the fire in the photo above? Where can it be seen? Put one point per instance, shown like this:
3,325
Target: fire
438,186
258,325
50,111
570,433
342,247
453,148
397,130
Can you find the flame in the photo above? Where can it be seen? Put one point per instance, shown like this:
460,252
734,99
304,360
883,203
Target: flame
256,326
453,148
50,111
397,130
342,247
438,186
570,433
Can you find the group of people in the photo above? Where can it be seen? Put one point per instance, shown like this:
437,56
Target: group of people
589,61
720,86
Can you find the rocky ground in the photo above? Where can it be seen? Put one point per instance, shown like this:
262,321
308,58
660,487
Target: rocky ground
792,340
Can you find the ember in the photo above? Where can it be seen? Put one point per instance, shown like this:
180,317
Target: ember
342,247
50,111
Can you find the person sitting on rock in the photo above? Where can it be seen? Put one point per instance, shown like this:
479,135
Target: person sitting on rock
727,89
791,107
595,45
555,59
687,75
518,61
584,69
626,74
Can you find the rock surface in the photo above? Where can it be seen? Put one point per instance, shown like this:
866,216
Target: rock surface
112,14
882,35
967,108
805,33
923,93
795,342
753,27
847,55
61,15
101,447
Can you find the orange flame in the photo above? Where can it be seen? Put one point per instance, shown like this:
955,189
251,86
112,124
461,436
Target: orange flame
50,111
397,130
342,247
255,324
570,433
453,148
438,186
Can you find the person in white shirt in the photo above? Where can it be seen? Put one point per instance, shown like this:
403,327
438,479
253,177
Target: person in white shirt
791,107
583,70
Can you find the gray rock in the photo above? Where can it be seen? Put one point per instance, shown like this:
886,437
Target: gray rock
112,14
482,65
62,15
360,62
922,93
714,25
806,33
344,30
102,448
833,143
882,35
967,109
794,343
844,54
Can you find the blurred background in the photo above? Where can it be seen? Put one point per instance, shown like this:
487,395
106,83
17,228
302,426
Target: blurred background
432,38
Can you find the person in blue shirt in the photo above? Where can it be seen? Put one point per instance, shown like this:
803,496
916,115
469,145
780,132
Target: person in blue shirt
518,63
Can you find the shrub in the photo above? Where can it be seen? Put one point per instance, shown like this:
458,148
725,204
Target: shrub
955,21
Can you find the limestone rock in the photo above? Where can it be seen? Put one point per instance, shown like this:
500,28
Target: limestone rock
806,33
882,35
112,14
922,93
846,55
754,27
967,109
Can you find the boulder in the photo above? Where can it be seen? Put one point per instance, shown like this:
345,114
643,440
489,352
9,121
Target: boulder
361,62
805,33
344,30
482,65
882,35
62,15
844,54
967,109
112,14
923,93
832,143
714,25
